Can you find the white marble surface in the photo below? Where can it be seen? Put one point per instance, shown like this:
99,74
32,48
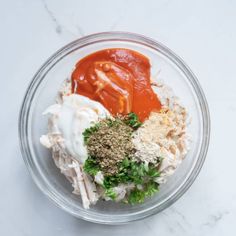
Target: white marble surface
202,32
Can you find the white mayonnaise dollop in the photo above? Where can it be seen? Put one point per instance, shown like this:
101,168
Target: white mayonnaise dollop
71,118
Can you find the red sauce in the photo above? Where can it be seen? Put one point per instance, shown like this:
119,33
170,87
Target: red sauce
119,79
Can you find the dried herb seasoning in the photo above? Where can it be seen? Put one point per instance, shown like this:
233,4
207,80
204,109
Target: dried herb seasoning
110,142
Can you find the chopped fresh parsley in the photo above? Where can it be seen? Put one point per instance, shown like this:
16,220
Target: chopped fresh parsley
89,131
110,193
131,172
91,166
115,122
151,188
136,196
133,121
139,195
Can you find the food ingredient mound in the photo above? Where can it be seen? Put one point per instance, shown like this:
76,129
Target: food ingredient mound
160,134
133,182
155,148
164,134
110,142
110,161
119,78
99,143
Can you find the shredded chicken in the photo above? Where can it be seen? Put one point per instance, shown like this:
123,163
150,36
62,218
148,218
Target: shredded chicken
70,167
164,135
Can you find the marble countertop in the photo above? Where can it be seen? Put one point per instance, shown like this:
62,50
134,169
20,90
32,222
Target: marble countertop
202,32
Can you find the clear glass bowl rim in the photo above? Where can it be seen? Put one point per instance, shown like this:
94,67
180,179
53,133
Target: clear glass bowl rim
84,41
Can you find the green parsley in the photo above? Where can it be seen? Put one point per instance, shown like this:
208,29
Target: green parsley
91,166
110,193
131,172
89,131
138,195
132,120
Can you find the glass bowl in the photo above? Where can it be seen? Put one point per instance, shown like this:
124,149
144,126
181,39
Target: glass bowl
42,92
